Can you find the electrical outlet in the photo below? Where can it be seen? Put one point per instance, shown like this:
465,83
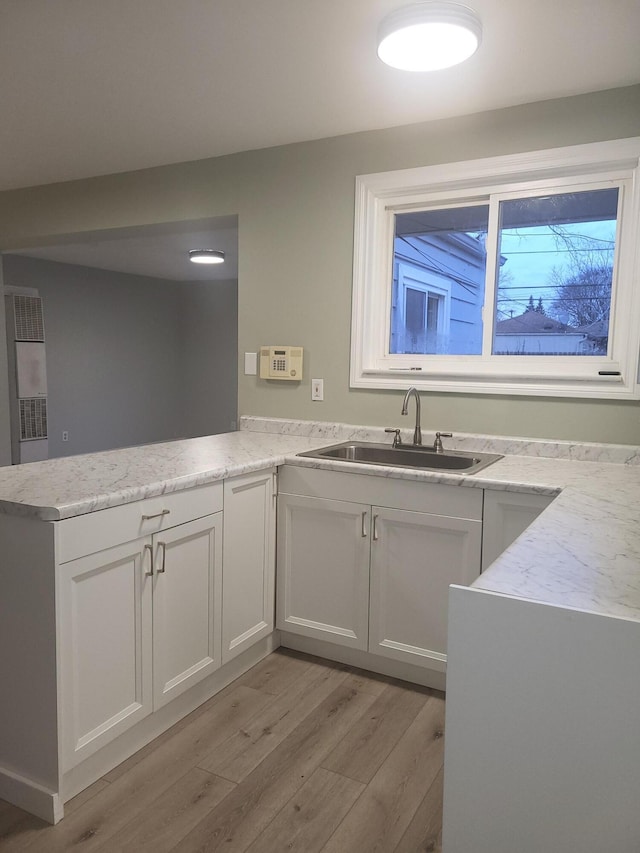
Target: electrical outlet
65,435
317,389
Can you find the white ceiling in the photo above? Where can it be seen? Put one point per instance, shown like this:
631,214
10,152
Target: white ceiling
160,251
93,87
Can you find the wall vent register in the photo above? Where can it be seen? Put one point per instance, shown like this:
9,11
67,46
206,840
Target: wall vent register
33,418
27,375
28,319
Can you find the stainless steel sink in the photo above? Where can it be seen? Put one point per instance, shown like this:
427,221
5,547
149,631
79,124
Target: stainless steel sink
406,456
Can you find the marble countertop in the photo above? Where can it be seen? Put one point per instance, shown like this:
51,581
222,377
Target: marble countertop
74,485
583,552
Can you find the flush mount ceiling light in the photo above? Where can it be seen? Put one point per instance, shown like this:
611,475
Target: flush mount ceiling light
206,256
428,36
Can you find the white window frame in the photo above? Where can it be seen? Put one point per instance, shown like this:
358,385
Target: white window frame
583,167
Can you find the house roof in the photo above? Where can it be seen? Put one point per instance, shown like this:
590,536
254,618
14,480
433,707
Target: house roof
531,323
598,329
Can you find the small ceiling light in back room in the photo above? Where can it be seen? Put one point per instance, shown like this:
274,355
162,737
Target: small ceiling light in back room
206,256
428,36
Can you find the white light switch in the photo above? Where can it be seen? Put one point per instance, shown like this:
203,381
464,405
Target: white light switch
250,363
317,389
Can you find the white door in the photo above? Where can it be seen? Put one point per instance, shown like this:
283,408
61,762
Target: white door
323,569
506,516
248,587
414,558
187,605
105,647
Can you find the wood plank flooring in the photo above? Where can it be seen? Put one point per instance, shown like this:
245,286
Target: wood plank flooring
299,754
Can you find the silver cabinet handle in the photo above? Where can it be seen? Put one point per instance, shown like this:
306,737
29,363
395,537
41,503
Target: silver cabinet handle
364,525
163,546
149,572
274,484
375,528
156,515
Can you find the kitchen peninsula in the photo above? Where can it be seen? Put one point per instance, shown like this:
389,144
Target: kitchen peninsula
571,579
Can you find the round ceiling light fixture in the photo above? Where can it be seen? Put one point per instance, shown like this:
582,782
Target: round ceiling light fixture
429,36
206,256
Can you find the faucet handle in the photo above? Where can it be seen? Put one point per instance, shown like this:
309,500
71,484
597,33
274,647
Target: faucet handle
397,441
437,444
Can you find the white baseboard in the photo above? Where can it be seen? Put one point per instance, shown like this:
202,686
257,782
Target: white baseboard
364,660
30,796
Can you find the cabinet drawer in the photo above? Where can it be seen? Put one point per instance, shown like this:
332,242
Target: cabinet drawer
95,531
420,496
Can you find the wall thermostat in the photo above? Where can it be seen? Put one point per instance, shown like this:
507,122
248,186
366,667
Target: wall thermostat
281,363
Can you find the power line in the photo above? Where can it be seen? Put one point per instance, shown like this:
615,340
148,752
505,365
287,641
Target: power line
507,252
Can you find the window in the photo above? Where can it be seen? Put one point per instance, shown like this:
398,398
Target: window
512,275
420,314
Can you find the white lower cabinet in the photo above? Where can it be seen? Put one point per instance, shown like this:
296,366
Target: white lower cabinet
187,606
506,516
323,569
415,556
248,591
374,577
105,648
140,623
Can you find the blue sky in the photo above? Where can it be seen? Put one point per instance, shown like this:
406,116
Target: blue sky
532,253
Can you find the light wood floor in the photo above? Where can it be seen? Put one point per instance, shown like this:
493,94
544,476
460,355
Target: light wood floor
297,755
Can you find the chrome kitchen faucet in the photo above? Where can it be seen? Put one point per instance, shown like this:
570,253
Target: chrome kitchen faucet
417,433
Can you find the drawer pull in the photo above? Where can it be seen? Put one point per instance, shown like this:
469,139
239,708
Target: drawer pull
163,546
149,572
156,515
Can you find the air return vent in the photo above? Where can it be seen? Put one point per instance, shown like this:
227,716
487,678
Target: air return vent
29,323
33,418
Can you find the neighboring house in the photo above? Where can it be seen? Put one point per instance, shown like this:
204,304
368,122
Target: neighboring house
533,333
437,296
596,337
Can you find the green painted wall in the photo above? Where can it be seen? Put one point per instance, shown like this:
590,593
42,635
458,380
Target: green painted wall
295,206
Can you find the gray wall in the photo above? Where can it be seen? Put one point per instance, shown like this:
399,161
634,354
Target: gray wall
122,365
295,206
209,331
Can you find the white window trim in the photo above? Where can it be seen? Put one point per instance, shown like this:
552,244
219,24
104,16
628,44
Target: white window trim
380,196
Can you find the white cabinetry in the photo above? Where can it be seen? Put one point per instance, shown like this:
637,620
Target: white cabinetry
248,560
323,569
187,606
111,628
105,648
506,516
140,622
415,556
374,574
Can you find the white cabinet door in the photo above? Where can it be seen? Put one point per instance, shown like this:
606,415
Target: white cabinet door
323,569
105,647
415,556
506,516
187,606
248,587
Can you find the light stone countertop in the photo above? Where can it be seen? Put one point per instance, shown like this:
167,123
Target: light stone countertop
583,552
74,485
